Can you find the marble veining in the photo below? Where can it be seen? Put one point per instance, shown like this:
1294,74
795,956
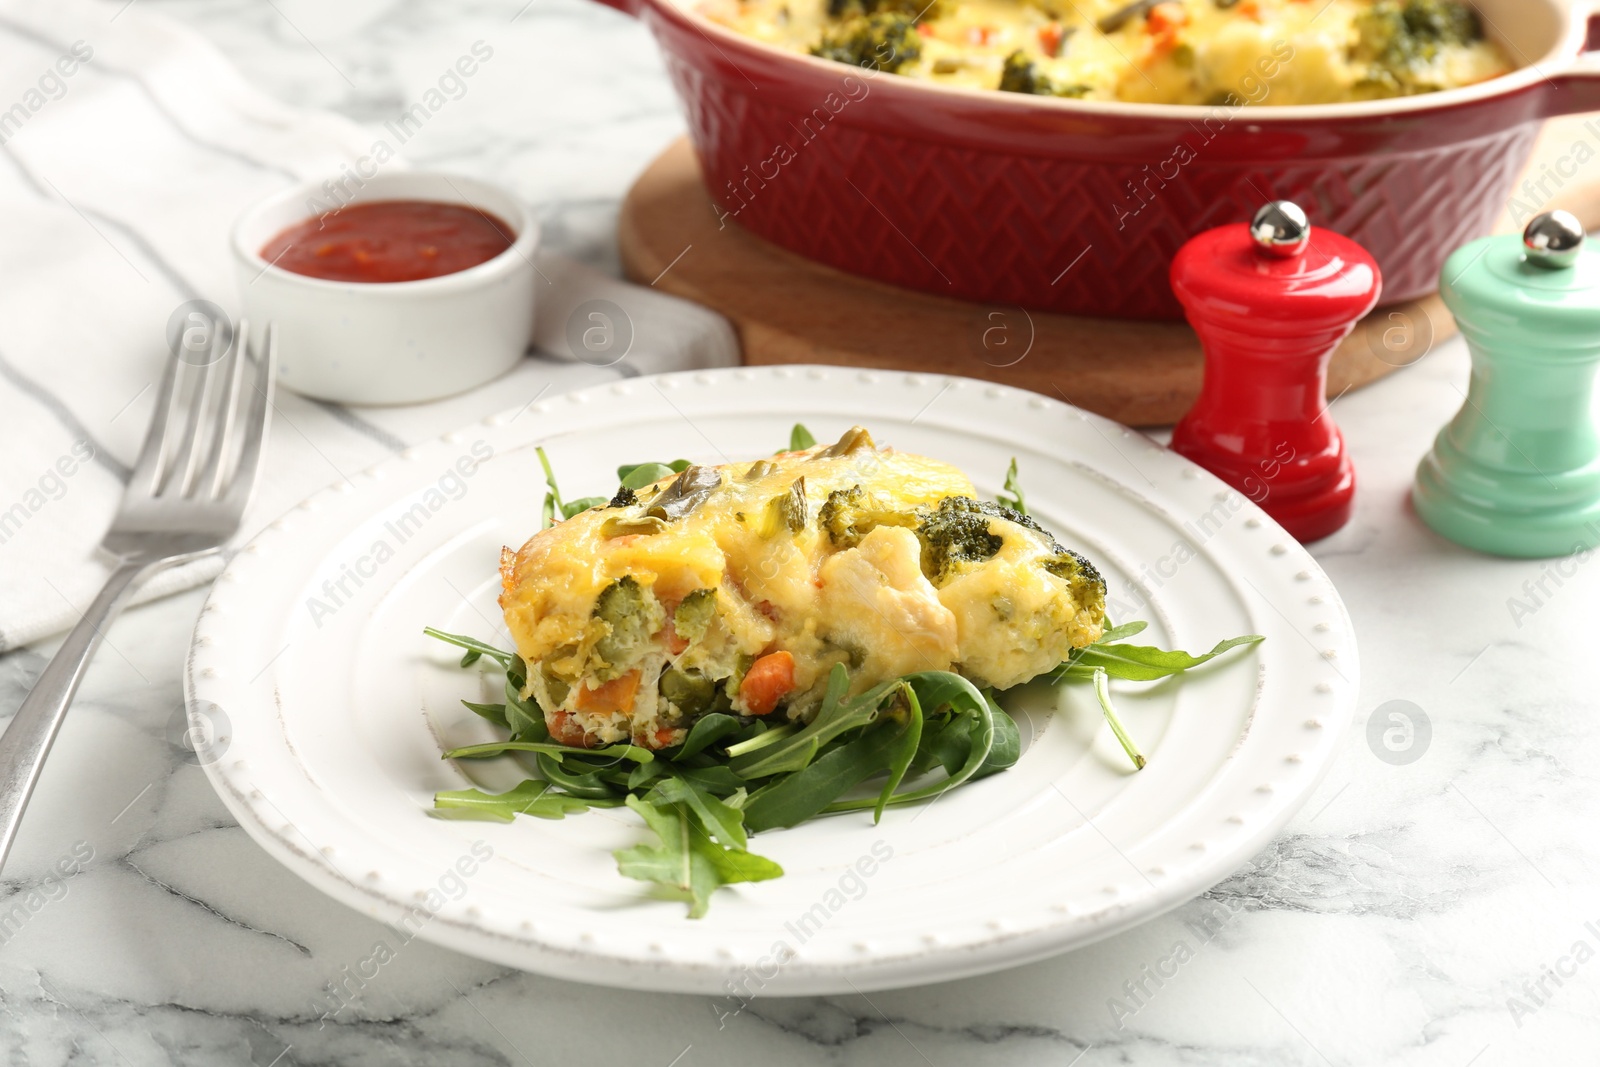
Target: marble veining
1425,908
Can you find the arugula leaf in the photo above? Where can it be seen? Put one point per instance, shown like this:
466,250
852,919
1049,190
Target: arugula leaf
495,713
751,732
945,743
1016,501
1127,629
722,821
586,784
1142,663
800,438
759,735
737,865
675,864
523,717
532,797
904,751
717,779
639,475
836,716
796,797
936,689
474,647
1007,747
687,864
645,773
553,504
491,749
552,496
1102,692
707,730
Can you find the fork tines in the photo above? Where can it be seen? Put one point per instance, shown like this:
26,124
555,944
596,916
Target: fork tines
201,446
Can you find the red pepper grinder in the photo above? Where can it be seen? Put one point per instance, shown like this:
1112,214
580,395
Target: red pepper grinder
1271,302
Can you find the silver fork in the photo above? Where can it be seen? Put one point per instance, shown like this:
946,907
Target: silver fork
184,500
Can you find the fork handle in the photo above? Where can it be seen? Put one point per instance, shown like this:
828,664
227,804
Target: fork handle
27,739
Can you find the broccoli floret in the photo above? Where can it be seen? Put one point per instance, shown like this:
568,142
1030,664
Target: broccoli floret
1088,587
886,41
850,514
915,9
958,532
1022,75
694,615
1446,21
631,616
1399,38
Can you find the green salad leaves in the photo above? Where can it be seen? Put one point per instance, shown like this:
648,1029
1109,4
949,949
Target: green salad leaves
905,741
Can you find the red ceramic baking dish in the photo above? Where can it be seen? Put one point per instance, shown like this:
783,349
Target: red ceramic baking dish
1078,206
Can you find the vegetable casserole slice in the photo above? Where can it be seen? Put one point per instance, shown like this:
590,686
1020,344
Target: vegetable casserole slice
737,588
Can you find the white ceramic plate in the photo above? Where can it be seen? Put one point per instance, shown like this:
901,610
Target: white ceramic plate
309,659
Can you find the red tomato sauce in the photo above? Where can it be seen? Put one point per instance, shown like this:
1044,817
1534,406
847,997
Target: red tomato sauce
390,241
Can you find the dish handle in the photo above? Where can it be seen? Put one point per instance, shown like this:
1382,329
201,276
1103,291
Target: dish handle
1575,86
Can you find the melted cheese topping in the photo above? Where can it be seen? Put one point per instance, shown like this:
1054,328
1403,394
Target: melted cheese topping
1279,52
690,602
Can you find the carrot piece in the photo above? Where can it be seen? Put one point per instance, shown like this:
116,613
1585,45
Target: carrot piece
1050,38
657,739
564,730
1163,24
766,682
615,695
1166,17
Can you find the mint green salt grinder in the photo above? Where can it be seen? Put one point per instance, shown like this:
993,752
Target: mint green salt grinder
1517,471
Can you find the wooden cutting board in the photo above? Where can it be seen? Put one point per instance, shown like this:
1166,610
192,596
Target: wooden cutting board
787,309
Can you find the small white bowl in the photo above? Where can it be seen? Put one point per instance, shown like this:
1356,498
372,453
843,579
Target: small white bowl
391,342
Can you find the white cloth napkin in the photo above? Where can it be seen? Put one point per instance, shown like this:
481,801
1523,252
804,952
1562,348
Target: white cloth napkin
125,161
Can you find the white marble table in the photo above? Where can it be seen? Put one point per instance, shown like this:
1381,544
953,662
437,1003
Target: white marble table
1392,922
